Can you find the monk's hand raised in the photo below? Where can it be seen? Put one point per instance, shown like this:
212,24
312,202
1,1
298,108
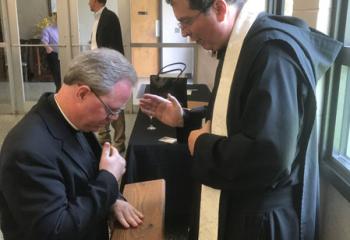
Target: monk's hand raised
192,138
168,111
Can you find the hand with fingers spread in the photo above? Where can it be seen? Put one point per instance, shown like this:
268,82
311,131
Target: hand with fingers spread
125,214
112,161
168,111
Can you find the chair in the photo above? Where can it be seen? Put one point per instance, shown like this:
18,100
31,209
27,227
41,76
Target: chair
149,198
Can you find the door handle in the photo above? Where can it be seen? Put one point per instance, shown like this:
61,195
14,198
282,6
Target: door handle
157,28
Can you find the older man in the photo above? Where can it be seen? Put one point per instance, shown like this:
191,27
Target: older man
55,180
257,147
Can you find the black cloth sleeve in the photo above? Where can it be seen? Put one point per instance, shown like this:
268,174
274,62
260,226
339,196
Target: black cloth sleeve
192,120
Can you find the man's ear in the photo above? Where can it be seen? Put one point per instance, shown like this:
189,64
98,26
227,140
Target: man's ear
220,7
81,92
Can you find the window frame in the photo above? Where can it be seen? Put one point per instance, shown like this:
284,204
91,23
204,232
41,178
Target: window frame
330,167
275,7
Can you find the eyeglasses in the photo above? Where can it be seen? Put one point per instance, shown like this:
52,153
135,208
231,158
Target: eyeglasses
109,111
188,21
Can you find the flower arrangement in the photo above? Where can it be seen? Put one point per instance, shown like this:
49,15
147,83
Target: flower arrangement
43,23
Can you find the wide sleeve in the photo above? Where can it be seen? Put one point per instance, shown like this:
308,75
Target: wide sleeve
259,150
38,195
192,120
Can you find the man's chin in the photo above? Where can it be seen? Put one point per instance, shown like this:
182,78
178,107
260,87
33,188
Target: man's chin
205,46
95,128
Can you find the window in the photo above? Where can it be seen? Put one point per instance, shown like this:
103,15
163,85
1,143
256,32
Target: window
275,6
341,141
335,137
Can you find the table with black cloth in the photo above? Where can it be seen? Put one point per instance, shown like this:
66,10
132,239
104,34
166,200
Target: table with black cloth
148,158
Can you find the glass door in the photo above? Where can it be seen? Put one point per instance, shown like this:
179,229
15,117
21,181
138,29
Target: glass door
27,67
6,101
37,43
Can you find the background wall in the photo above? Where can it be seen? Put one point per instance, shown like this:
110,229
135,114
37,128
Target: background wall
335,213
86,19
207,64
28,16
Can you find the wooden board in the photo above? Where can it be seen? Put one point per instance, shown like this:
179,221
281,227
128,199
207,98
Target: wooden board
149,198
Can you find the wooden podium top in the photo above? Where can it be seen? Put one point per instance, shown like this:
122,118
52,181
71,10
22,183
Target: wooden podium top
149,198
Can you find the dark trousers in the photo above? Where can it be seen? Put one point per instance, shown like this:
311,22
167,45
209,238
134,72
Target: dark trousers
54,65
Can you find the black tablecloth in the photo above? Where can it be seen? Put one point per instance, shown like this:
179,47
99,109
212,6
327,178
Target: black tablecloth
148,158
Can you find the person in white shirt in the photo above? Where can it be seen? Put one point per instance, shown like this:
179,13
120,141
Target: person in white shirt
106,32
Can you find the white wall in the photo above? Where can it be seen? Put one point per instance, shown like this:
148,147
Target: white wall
86,20
335,214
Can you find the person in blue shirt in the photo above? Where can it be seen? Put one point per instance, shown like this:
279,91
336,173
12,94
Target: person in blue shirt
49,37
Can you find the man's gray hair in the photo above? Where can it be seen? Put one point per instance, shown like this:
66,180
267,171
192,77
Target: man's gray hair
204,5
100,69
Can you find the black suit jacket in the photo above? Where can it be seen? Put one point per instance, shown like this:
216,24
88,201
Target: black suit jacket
109,32
50,188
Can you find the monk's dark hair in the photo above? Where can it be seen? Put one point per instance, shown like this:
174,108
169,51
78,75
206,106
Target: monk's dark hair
204,5
102,1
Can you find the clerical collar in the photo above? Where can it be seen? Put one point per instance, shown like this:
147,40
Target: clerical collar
64,115
99,12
